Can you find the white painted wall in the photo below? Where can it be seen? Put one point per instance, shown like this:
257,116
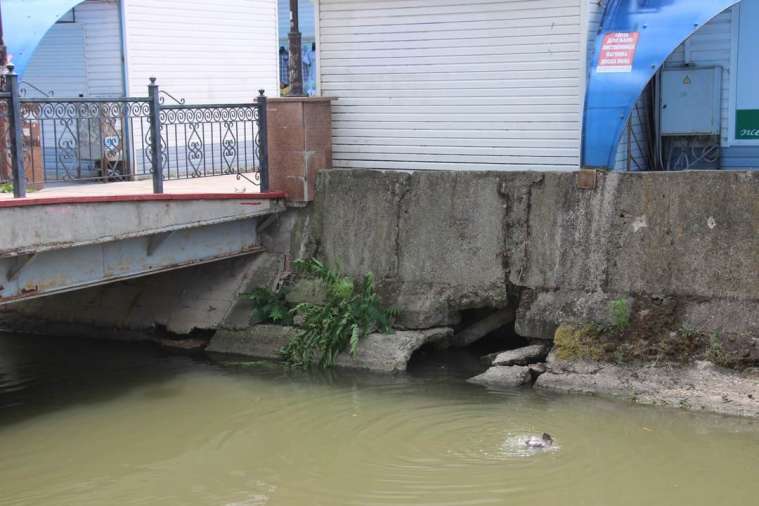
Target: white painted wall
445,84
203,51
82,57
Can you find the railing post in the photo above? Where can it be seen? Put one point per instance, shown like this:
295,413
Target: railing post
16,134
263,147
155,136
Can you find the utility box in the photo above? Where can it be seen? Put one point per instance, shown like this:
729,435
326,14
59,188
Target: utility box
691,101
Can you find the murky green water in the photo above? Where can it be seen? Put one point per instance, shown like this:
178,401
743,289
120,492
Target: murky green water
86,423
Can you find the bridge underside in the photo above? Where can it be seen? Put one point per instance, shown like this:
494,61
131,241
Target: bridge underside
57,245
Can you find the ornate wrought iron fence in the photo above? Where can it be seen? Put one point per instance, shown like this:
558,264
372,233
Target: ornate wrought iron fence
210,140
77,140
115,139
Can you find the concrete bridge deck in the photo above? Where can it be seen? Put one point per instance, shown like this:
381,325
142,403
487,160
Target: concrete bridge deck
68,238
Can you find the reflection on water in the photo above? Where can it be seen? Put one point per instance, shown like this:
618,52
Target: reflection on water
85,423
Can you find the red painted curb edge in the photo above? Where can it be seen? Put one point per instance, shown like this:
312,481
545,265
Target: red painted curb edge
149,197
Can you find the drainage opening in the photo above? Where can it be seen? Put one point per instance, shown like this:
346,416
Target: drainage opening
482,331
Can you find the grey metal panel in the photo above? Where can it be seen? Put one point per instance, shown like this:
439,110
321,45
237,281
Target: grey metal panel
62,270
691,100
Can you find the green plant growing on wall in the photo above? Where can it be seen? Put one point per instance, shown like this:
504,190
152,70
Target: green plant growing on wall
270,307
715,353
6,188
620,314
348,315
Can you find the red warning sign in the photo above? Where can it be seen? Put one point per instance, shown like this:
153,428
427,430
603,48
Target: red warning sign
618,52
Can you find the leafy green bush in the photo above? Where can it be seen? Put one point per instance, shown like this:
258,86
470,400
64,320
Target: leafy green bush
620,314
349,314
6,188
270,307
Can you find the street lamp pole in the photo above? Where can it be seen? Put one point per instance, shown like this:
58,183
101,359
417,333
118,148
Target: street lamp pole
3,49
295,69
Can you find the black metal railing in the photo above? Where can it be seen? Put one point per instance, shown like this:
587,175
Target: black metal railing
64,140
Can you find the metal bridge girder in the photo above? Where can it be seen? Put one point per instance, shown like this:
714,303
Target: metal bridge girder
61,270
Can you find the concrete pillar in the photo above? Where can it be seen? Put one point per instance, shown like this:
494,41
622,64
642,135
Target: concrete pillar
300,144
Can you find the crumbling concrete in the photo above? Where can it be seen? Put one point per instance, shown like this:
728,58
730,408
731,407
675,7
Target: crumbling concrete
434,241
386,353
701,386
443,242
521,356
257,341
440,243
690,236
504,377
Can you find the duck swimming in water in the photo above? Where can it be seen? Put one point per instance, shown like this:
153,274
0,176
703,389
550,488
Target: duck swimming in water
545,441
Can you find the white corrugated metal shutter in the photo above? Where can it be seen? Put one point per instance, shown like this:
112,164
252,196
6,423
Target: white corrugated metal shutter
445,84
102,28
203,51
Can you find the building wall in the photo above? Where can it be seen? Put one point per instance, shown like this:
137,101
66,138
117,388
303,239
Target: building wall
201,52
82,57
444,84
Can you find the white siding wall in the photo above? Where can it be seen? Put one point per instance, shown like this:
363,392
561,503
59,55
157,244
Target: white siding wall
203,51
445,84
82,57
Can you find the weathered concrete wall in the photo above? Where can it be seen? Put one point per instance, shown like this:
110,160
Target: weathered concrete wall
441,242
434,240
682,248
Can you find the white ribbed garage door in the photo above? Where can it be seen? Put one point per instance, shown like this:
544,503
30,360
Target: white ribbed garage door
450,84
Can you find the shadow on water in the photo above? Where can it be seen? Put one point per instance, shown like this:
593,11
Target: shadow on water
39,375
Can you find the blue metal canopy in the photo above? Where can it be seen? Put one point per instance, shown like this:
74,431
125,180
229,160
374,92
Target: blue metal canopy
642,33
25,22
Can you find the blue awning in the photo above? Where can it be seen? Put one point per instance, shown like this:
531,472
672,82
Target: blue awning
25,23
645,32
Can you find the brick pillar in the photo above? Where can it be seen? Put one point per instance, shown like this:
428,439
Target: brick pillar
300,144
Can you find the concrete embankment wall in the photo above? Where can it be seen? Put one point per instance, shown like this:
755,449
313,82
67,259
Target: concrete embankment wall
682,248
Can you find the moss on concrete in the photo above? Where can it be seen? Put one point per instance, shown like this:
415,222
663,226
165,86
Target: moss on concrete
577,342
